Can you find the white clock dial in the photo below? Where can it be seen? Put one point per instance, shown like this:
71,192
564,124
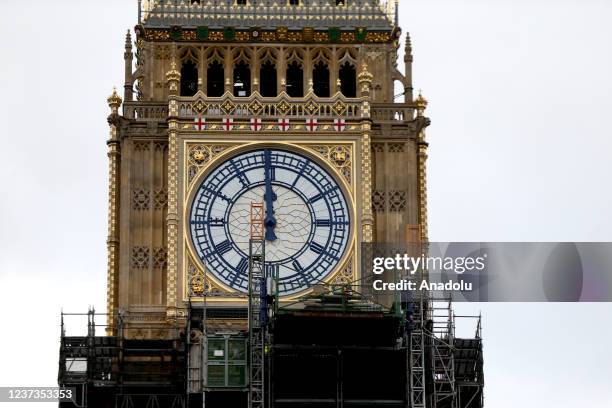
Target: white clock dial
307,218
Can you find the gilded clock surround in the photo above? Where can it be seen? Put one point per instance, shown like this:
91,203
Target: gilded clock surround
336,157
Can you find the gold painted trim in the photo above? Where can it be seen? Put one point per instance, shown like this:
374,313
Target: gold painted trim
304,147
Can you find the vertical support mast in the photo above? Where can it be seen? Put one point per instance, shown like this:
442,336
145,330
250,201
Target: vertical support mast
257,283
415,338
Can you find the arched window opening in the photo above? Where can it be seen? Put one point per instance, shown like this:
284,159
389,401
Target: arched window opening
294,2
241,2
348,80
242,79
214,79
340,2
320,79
295,80
267,75
189,78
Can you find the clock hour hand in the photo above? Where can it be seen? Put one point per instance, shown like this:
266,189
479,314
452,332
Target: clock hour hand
269,198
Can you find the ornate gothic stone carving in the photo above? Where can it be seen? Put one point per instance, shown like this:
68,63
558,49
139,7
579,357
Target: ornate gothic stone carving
199,284
345,276
160,258
141,257
199,155
161,146
339,156
392,201
142,146
378,200
396,147
378,147
160,199
141,199
397,200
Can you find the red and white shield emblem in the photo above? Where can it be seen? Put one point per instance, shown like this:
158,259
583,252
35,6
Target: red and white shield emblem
339,125
199,123
311,125
283,124
256,124
228,124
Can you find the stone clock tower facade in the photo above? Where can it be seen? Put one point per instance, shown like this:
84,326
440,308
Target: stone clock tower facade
220,98
260,151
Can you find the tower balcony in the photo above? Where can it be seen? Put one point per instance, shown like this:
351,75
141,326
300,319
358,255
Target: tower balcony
272,108
347,14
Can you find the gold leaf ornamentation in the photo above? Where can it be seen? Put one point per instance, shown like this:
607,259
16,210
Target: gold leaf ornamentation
199,106
339,108
283,107
339,156
199,284
255,107
345,276
228,107
199,155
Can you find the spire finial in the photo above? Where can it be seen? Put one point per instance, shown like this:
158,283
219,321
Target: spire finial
421,103
128,40
114,101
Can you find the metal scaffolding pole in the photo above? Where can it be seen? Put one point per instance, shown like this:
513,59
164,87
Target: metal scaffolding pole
417,362
256,325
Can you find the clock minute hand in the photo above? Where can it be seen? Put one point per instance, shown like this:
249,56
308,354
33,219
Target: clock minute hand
269,197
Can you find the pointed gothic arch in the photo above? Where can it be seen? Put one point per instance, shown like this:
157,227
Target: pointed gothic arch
320,72
268,75
189,72
347,74
215,72
241,71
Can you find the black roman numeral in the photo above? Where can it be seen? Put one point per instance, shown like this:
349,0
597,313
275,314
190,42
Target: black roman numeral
224,246
315,198
216,222
316,248
242,266
297,266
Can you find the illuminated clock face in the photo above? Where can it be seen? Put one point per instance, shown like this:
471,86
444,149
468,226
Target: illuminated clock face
306,221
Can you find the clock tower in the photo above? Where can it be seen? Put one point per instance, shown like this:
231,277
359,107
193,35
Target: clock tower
259,151
287,103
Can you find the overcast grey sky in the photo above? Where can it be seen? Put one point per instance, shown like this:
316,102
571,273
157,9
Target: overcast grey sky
520,150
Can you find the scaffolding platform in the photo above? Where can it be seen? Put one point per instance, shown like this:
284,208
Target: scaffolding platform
332,348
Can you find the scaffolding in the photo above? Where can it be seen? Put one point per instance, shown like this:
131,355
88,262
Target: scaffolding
123,370
443,371
322,348
257,307
336,327
417,316
416,354
469,370
441,336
